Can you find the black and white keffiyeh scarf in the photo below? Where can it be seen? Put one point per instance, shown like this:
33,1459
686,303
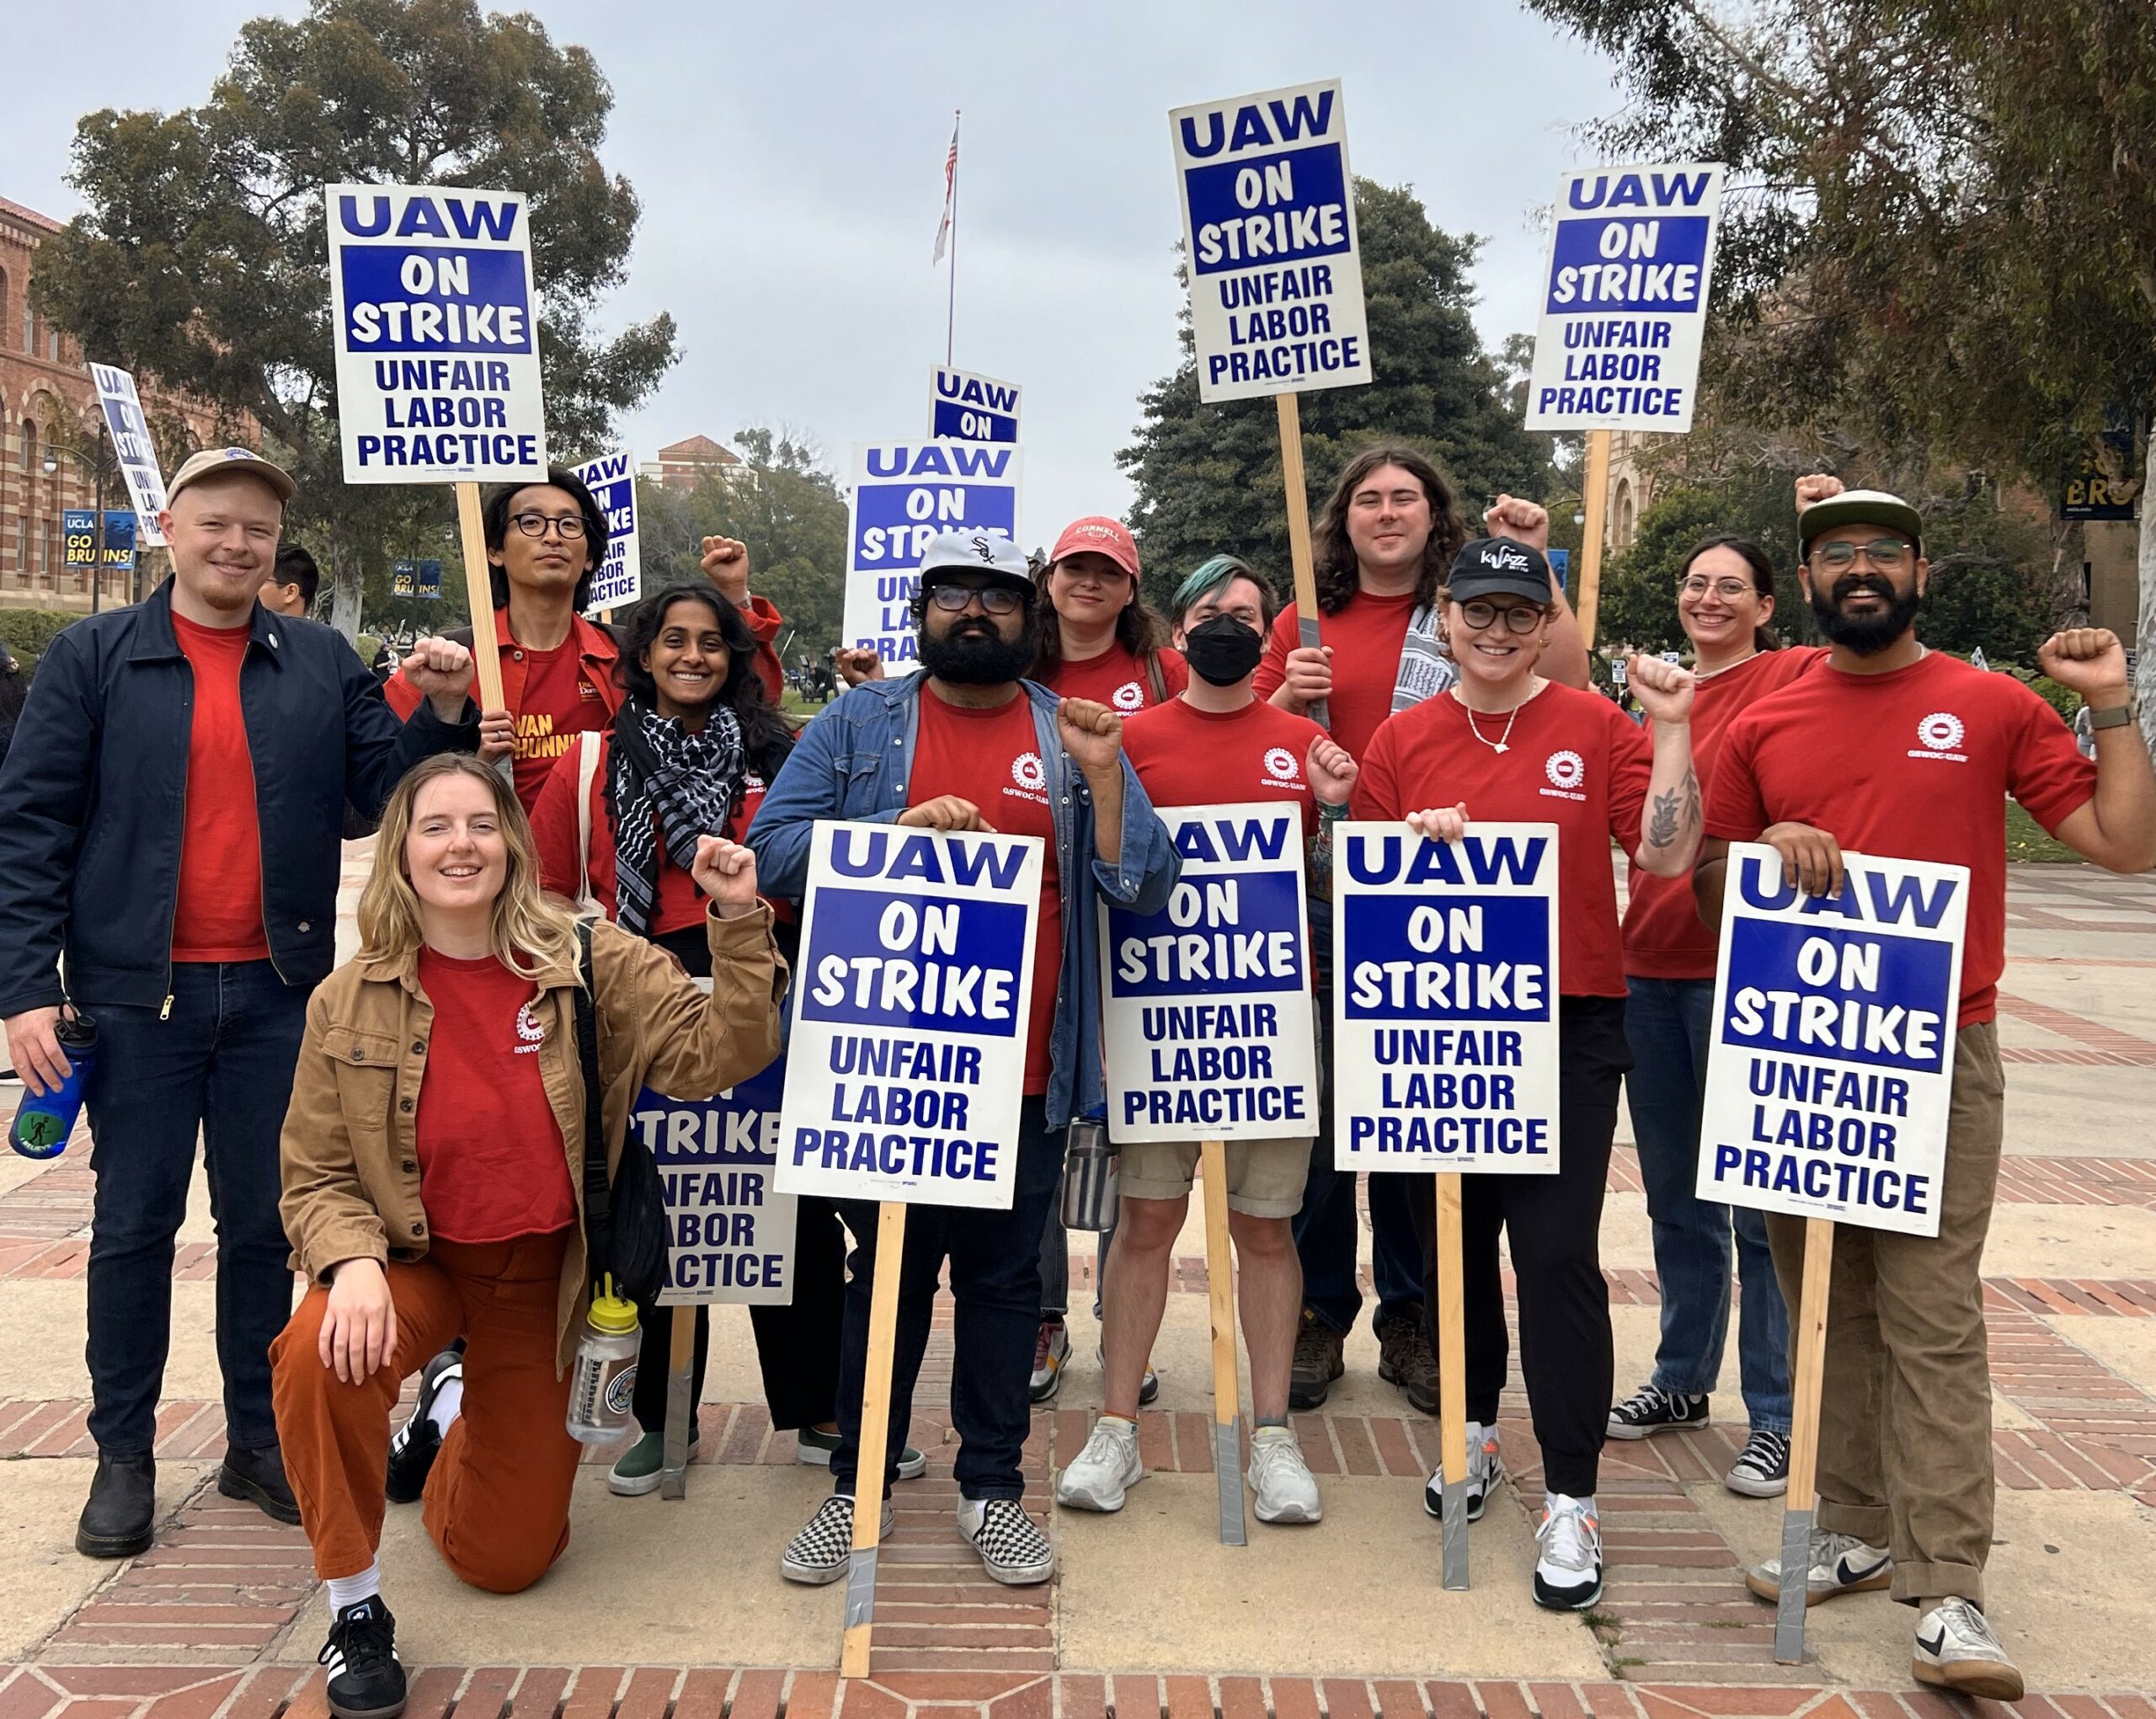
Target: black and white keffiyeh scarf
688,783
1425,669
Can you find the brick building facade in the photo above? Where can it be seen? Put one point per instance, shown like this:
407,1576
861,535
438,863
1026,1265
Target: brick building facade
48,415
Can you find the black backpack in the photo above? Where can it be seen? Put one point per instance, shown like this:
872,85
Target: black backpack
624,1220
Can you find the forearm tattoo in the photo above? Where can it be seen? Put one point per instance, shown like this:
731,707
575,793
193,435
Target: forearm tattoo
1676,811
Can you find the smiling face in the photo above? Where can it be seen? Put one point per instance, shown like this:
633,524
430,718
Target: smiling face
1485,646
455,853
1389,522
1870,599
1718,604
1089,588
551,561
223,533
687,659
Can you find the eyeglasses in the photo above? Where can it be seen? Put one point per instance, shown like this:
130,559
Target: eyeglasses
1730,590
995,600
533,525
1519,617
1884,553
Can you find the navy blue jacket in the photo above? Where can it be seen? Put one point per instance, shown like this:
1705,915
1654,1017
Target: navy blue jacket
93,797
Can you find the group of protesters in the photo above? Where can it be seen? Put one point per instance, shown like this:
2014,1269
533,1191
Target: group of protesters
409,1132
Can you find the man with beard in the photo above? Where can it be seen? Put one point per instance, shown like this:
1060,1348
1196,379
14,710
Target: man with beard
966,744
1890,749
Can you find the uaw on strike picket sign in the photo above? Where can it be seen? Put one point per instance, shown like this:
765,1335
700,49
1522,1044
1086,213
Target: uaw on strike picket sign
729,1230
1445,999
133,447
907,1064
903,494
963,407
1207,1020
1268,228
611,478
1831,1064
1625,301
437,342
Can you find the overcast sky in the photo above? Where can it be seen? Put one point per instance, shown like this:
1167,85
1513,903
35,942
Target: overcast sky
790,162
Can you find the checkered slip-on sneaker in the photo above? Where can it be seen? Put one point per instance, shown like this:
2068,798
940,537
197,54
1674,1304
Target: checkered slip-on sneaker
1013,1548
818,1554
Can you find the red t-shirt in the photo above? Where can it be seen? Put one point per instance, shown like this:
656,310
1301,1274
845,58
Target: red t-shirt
557,703
1116,678
1914,764
1186,756
1573,760
993,758
1664,938
219,915
492,1164
1365,638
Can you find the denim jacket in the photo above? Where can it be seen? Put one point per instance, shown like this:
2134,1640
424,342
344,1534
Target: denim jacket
854,761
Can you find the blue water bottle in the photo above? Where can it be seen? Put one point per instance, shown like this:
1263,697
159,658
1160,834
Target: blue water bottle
44,1121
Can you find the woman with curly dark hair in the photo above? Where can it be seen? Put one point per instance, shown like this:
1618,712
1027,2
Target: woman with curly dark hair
1383,545
692,748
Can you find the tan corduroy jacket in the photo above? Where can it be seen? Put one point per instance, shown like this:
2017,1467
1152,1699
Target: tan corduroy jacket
352,1167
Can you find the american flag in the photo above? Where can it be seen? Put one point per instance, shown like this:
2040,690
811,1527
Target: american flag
950,193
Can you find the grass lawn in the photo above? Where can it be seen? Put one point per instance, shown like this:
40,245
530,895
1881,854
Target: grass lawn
2026,839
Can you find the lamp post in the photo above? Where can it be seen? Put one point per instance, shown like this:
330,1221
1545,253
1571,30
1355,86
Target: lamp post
98,468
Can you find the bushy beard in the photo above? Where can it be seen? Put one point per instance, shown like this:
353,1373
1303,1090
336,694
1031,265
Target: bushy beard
973,654
1865,635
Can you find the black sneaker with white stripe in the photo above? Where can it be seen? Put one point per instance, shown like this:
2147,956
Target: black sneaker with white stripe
1013,1548
1761,1470
820,1551
1651,1409
365,1680
418,1442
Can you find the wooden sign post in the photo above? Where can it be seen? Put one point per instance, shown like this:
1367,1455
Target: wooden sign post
875,1441
1299,535
1594,503
1451,1340
1795,1594
479,593
1221,1294
681,1409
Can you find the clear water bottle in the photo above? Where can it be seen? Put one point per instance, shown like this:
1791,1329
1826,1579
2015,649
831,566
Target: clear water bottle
44,1121
602,1379
1089,1175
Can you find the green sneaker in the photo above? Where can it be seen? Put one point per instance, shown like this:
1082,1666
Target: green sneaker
815,1448
637,1470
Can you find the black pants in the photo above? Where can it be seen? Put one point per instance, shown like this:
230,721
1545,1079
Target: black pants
797,1345
995,1287
1553,1227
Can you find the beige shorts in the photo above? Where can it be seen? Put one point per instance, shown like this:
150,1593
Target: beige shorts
1265,1178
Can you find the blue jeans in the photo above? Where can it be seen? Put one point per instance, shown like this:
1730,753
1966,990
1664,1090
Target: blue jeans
995,1283
1667,1021
1325,1228
219,1066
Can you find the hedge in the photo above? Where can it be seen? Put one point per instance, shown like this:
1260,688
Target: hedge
28,632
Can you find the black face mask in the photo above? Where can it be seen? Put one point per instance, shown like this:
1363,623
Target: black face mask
1221,650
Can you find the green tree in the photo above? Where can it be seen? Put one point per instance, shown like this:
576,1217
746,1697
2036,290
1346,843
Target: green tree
201,259
1944,224
1208,476
786,506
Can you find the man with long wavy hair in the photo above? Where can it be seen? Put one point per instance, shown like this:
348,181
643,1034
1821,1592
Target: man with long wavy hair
1384,542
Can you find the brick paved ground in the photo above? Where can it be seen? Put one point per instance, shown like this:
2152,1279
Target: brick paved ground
219,1621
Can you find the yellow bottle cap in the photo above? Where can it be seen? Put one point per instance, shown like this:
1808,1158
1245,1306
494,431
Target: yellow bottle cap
612,1313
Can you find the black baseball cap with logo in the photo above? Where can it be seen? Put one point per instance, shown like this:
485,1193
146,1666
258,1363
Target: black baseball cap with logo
1499,567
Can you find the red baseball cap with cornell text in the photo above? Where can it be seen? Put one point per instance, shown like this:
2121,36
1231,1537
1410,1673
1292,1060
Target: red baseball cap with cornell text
1101,535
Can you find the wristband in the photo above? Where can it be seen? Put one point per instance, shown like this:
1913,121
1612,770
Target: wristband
2119,716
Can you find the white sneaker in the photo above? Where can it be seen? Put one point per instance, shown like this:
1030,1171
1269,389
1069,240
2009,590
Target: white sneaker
1485,1469
1013,1548
1097,1478
1568,1576
1956,1650
1841,1563
1282,1480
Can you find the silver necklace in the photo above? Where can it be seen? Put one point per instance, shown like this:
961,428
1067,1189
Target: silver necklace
1502,743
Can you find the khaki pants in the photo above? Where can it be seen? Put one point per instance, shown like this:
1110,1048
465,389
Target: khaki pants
1905,1458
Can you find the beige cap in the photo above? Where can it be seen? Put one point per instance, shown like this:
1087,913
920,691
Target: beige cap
211,462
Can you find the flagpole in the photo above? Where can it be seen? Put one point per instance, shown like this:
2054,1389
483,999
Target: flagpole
950,311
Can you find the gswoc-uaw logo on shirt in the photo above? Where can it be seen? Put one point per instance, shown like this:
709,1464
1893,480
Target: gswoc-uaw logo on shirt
1130,695
1565,770
1941,734
530,1034
1280,762
1029,773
